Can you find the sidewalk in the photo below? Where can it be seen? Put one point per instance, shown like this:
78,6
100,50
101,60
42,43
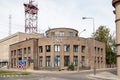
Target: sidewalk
104,76
100,75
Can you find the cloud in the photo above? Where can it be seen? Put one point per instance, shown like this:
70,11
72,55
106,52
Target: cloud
58,13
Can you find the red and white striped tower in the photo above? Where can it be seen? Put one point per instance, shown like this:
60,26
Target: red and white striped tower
31,17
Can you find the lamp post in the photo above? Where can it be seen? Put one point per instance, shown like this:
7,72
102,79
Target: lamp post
93,42
79,53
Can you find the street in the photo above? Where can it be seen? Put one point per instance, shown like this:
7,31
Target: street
58,76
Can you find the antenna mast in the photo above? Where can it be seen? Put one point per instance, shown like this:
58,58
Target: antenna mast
31,16
10,16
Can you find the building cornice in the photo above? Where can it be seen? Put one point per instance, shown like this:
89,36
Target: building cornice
114,2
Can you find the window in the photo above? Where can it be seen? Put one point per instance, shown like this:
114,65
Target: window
75,59
48,48
14,62
19,51
66,61
14,52
98,60
24,50
83,60
52,34
101,50
75,48
70,33
95,50
29,50
57,60
57,48
11,53
11,63
98,50
40,49
83,49
47,61
24,60
61,33
76,34
40,61
101,59
66,48
29,58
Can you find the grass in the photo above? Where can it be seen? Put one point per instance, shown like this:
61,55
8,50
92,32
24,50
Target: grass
13,73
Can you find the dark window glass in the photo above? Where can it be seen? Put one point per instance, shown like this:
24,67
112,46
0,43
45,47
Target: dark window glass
47,61
75,48
66,60
48,48
83,49
40,49
66,48
75,59
40,61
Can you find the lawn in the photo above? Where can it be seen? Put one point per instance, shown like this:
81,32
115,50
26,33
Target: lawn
13,73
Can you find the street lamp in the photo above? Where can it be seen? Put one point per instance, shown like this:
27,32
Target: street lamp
79,53
93,42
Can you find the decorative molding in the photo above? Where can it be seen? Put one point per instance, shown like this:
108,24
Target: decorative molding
117,20
117,55
118,44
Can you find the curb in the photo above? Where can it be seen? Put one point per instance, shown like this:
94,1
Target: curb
102,77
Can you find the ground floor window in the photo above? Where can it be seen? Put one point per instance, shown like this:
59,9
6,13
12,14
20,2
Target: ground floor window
83,60
66,60
75,59
47,61
56,61
40,61
14,62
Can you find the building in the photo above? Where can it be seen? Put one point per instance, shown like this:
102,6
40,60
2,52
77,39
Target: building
59,48
15,38
116,5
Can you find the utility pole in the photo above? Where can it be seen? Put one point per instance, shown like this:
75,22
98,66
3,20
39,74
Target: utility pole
10,16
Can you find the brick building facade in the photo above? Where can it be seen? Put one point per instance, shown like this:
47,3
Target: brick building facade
59,48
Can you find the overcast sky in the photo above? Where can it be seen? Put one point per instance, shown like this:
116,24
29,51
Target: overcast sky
58,13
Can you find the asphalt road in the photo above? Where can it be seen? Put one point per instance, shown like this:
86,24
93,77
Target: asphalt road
54,76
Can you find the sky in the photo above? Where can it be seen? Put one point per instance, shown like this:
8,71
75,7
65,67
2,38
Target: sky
58,13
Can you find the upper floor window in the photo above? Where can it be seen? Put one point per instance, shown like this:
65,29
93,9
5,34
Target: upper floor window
101,50
76,34
29,50
61,33
52,34
48,48
24,50
14,52
57,48
66,48
83,49
19,51
98,50
11,53
40,49
95,50
70,33
75,48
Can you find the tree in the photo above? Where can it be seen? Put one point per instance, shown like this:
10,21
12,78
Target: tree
103,34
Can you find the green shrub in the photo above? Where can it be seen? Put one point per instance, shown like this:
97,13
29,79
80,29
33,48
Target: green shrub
71,67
